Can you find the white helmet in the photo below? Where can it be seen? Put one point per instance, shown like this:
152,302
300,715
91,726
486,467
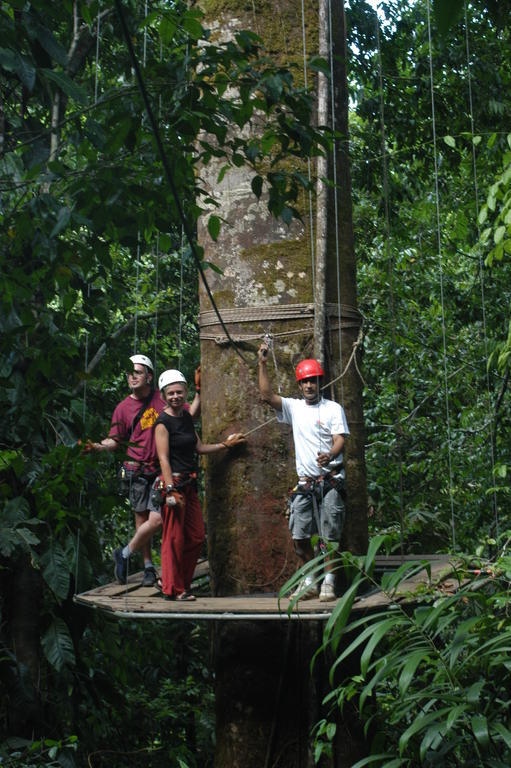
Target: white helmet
171,376
142,360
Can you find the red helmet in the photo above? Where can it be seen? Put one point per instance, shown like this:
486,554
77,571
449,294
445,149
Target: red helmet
308,368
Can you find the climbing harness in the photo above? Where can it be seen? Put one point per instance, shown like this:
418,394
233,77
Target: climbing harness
159,491
316,489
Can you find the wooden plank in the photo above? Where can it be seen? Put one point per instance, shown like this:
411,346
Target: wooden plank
134,601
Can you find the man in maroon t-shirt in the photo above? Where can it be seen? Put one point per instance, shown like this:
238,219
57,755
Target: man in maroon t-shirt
132,426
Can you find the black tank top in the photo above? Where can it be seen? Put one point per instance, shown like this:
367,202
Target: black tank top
182,441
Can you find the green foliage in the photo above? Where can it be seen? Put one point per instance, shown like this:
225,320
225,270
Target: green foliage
94,266
51,753
431,677
431,483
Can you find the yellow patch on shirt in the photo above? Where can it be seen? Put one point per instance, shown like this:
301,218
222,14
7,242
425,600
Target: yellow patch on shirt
148,418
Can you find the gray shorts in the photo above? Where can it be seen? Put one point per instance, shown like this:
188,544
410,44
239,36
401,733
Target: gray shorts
302,521
140,494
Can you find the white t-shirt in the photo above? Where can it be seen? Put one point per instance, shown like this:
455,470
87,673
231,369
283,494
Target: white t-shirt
313,427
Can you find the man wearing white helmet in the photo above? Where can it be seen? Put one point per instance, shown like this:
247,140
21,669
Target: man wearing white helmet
132,424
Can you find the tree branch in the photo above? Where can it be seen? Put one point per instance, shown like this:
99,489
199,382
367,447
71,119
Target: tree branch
99,355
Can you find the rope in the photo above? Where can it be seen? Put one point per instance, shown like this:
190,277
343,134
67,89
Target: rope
321,195
276,312
157,290
181,284
276,578
336,201
166,168
135,327
441,276
390,263
352,359
144,54
252,336
97,56
86,352
309,173
268,338
481,277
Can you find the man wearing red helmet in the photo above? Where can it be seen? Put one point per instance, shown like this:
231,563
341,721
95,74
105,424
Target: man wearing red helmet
319,427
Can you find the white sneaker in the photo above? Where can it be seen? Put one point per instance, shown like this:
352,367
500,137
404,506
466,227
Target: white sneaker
304,591
327,592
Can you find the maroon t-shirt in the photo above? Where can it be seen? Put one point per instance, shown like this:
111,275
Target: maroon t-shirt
142,447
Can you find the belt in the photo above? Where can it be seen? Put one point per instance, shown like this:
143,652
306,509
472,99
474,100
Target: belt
144,469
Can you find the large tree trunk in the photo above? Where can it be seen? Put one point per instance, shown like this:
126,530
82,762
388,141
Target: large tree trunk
22,614
267,699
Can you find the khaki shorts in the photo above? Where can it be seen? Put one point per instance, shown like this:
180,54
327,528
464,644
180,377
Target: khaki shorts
139,494
302,521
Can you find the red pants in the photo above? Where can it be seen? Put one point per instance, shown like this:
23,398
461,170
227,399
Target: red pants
181,543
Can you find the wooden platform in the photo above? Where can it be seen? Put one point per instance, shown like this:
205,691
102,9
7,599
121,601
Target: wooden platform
136,602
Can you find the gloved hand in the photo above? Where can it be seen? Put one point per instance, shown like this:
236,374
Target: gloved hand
197,378
175,499
88,446
237,438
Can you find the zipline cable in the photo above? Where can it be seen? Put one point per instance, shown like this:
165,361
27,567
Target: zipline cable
156,291
441,276
86,351
181,287
135,325
481,275
168,174
390,266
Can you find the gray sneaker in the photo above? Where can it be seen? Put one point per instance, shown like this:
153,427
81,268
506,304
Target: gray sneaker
120,566
304,591
150,577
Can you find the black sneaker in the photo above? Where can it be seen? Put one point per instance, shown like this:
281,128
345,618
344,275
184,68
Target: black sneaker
120,566
150,577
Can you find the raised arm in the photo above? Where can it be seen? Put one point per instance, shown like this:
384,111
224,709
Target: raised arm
263,380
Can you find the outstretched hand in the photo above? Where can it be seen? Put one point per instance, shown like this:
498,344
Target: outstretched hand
197,378
237,438
88,446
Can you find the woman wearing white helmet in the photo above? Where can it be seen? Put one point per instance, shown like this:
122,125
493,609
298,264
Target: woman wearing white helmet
178,444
